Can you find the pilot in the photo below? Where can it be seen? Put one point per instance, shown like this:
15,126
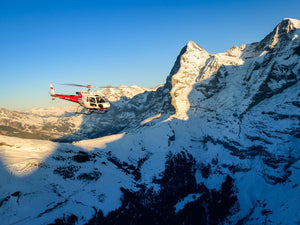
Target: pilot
98,99
102,100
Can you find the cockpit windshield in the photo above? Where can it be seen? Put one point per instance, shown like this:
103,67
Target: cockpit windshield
100,99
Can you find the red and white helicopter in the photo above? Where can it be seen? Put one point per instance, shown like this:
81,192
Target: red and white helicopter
86,99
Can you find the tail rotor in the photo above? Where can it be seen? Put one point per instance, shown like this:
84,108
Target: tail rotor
52,93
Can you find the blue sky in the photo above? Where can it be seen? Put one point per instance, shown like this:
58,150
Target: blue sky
116,42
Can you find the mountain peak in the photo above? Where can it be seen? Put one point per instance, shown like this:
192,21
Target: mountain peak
292,23
280,35
287,25
282,31
192,45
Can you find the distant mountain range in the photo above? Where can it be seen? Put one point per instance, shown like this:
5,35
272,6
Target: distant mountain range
218,143
63,124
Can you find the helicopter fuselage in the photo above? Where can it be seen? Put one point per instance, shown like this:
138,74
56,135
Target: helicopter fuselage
91,100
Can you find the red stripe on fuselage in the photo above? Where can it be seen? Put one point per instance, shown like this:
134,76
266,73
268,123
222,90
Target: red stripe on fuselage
71,98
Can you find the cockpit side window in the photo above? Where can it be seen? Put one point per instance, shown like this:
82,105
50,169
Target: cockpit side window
92,99
100,99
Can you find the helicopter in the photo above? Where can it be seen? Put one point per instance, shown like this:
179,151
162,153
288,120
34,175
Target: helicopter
86,99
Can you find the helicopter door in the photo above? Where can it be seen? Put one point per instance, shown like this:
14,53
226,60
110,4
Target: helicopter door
100,101
92,101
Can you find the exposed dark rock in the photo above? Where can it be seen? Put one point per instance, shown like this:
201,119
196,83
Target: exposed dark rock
81,157
67,171
95,175
4,200
119,164
296,103
297,50
16,194
177,182
205,170
66,220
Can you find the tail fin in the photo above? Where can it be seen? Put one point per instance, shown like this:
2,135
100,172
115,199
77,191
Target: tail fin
52,93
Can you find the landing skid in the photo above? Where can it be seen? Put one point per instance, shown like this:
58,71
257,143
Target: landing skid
101,111
79,111
89,111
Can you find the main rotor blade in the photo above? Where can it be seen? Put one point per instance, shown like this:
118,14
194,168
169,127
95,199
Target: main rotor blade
90,86
80,85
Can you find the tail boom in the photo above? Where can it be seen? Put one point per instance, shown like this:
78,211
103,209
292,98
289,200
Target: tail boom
72,98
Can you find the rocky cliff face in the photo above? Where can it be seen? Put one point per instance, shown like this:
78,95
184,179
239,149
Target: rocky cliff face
248,73
217,144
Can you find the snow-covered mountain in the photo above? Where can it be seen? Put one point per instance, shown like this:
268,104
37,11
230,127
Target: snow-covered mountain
218,143
62,123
